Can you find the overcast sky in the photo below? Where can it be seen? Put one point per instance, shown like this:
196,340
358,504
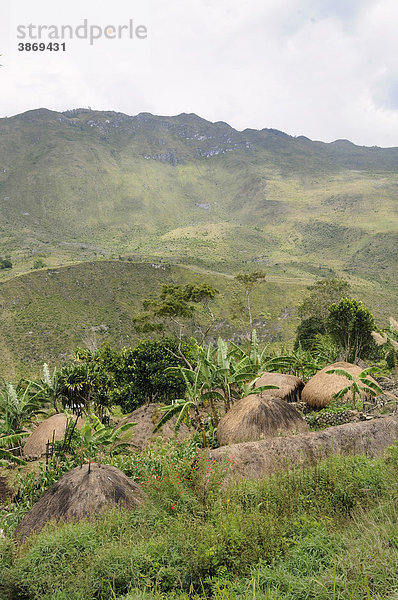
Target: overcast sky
327,69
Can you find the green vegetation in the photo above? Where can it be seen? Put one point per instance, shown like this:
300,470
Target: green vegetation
5,264
328,533
350,325
199,535
360,386
116,226
84,185
47,313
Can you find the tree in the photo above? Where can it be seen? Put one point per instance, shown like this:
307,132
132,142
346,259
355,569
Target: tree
350,325
322,294
248,281
175,305
135,376
307,331
84,385
142,375
5,263
314,310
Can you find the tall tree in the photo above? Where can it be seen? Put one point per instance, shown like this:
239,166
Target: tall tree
249,281
350,324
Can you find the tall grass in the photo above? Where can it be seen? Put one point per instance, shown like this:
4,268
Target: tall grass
325,532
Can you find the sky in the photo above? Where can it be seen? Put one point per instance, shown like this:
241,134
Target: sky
327,69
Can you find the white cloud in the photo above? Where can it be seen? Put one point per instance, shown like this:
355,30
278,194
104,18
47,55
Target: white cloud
323,68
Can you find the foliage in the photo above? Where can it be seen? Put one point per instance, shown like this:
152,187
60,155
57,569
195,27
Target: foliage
5,263
175,304
139,375
7,444
322,294
360,385
307,331
288,535
299,362
17,406
95,438
39,264
314,309
49,389
222,374
390,340
350,325
84,386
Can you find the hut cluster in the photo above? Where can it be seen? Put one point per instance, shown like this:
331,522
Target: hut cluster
91,488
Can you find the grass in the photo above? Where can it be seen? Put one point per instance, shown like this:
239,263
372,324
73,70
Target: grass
47,313
329,532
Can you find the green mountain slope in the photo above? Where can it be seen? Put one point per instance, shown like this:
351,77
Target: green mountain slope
47,313
86,184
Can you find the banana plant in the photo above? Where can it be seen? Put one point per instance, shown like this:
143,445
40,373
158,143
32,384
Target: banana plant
360,385
198,393
49,387
95,438
17,407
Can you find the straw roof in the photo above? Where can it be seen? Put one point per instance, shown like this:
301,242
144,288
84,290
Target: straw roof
290,386
320,389
35,445
259,416
146,418
81,492
255,460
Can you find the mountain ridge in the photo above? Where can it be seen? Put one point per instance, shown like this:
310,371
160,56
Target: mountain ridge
84,184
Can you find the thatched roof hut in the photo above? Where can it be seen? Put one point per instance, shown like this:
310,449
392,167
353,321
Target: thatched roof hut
290,386
257,417
81,492
52,428
146,418
320,389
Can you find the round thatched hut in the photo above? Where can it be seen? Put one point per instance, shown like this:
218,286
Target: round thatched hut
257,417
49,430
146,418
290,386
81,492
320,389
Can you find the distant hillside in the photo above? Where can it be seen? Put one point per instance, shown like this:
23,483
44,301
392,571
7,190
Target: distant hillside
84,184
47,313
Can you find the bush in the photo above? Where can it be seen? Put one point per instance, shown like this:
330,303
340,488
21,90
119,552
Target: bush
5,264
307,332
350,325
